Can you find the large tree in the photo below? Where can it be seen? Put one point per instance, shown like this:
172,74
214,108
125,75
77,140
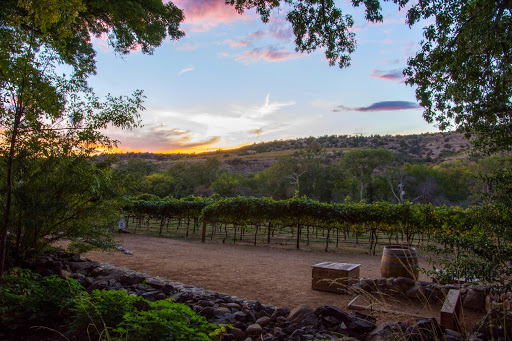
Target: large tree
362,162
45,113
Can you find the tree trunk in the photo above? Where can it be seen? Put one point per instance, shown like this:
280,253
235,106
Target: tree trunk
362,190
8,194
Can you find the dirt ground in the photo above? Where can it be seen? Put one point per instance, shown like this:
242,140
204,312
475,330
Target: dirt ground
275,275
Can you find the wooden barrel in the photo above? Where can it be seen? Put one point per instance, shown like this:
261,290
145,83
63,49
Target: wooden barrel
399,261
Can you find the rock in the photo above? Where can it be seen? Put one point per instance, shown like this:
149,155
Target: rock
387,331
263,321
101,284
368,283
280,312
75,257
452,335
206,303
297,314
254,329
222,311
234,334
310,319
133,278
208,312
361,323
241,316
77,276
64,274
403,283
155,283
181,297
495,325
98,271
429,329
332,315
153,295
232,306
474,300
256,306
416,292
297,335
237,333
167,289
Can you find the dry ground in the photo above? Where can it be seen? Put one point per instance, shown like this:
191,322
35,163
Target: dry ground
274,275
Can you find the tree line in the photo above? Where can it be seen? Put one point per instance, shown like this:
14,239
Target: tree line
371,175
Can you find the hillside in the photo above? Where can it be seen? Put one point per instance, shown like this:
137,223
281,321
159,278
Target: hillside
418,148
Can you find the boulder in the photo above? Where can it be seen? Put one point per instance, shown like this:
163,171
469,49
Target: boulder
263,321
361,323
387,331
332,315
153,295
254,329
297,314
133,278
474,300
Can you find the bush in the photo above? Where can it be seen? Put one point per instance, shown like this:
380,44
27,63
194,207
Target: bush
27,299
166,321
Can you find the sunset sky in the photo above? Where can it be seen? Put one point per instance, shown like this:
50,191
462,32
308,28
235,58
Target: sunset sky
233,80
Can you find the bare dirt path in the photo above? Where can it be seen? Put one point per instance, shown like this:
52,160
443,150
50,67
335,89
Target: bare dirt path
277,275
269,274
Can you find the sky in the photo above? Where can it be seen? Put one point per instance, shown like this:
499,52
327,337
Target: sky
233,80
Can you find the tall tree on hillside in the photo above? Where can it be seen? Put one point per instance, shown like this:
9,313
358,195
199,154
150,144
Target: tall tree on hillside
362,162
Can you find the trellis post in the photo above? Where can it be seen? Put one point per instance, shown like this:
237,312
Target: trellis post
203,237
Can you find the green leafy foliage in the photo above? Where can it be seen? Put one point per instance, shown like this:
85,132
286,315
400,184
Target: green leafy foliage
29,299
60,197
103,309
463,70
166,321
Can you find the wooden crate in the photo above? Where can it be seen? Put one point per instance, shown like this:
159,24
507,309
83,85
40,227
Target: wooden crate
334,277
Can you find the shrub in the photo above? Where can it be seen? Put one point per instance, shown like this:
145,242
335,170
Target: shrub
166,321
28,298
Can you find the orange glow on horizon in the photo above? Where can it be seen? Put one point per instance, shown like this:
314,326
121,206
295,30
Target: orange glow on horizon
191,150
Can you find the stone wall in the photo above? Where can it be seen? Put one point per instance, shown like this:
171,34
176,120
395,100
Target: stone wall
252,320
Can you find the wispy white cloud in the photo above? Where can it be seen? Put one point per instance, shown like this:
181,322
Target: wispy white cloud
260,111
185,70
268,54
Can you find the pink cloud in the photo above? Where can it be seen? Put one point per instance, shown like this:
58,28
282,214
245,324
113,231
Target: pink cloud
281,29
240,43
188,47
393,75
268,54
278,28
258,34
202,15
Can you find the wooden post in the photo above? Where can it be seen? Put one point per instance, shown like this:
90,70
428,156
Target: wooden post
450,312
203,237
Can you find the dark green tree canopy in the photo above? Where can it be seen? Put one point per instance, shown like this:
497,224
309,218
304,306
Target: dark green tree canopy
68,25
463,71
